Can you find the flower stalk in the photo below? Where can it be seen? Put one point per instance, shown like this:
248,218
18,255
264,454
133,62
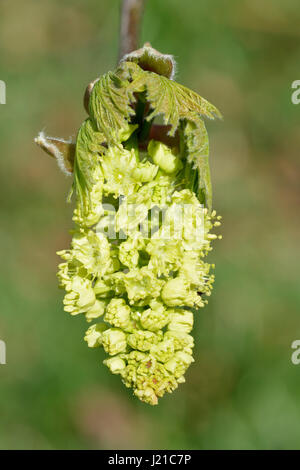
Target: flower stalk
131,16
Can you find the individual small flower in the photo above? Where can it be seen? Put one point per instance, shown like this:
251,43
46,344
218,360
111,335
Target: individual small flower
129,250
163,157
94,334
196,272
96,311
118,166
181,340
134,211
154,318
163,351
147,394
142,284
181,321
115,364
80,297
177,292
64,275
145,172
114,341
102,289
93,251
165,255
155,384
179,363
143,339
118,314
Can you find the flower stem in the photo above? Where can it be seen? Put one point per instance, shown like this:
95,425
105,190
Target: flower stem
131,16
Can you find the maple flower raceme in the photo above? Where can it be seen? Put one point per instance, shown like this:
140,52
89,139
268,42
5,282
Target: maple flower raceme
143,219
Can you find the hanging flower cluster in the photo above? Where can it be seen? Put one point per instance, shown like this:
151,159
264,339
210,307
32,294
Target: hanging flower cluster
143,222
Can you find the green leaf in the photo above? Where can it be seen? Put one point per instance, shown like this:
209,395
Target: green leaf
179,104
111,109
166,97
197,147
88,143
110,106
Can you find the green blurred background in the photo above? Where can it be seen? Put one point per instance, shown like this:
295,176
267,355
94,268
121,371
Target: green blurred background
243,391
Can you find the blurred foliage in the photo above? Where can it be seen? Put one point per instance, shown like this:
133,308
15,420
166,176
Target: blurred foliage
242,391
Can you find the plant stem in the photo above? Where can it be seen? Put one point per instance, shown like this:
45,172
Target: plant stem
131,16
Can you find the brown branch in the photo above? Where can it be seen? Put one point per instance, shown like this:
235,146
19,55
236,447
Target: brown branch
131,16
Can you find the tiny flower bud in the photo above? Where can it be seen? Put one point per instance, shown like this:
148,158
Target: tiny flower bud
163,157
93,335
154,318
163,351
178,364
81,296
180,339
114,341
182,321
118,313
176,292
143,340
115,364
147,395
96,311
101,289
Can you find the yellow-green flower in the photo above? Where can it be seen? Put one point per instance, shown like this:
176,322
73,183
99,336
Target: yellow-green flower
94,334
118,314
143,220
114,341
80,296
